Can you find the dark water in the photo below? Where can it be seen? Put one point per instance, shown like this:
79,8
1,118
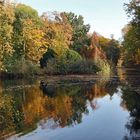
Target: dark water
108,109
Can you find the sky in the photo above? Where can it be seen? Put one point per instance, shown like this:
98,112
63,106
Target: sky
104,16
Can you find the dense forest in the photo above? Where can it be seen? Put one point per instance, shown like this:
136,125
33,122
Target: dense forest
61,43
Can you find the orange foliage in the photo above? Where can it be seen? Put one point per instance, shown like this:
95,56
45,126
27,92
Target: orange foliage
93,51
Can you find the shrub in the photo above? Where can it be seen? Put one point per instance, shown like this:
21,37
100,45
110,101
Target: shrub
76,67
61,65
72,56
104,66
84,67
24,67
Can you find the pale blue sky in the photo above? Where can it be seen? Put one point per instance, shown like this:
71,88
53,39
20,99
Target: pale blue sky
105,16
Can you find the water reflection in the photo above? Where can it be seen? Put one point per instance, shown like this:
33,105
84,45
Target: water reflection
23,110
131,100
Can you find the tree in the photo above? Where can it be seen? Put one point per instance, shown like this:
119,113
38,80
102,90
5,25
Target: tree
58,32
29,42
106,48
35,43
46,56
95,50
113,51
130,45
80,30
6,32
131,41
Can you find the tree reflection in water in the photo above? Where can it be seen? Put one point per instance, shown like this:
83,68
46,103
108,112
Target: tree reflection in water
22,110
131,99
130,88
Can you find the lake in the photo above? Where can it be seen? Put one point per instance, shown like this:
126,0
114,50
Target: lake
107,109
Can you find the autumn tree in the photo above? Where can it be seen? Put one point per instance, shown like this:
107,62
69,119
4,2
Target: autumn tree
6,31
94,51
58,32
28,37
111,48
35,44
80,30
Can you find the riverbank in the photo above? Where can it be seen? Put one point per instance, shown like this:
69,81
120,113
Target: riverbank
56,80
63,77
51,78
70,78
10,76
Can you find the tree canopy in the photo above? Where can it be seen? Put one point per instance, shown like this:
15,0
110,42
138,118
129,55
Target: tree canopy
131,41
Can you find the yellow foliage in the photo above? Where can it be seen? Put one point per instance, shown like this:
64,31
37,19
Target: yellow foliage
6,30
36,44
58,33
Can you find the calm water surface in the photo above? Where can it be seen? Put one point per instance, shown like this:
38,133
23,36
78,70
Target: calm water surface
108,109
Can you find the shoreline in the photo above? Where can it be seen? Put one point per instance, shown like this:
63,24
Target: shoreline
60,77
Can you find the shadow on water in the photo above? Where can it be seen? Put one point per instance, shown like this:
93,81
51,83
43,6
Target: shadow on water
23,110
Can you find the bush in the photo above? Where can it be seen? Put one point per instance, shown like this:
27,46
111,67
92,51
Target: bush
72,56
24,67
84,67
104,66
78,67
61,65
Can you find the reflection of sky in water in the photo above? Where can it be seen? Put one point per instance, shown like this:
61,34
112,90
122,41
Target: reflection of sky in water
107,122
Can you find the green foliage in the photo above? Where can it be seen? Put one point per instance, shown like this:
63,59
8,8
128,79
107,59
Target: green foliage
61,65
113,51
130,45
46,56
78,67
28,37
104,66
25,12
72,56
84,67
80,30
27,68
131,41
68,59
22,13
